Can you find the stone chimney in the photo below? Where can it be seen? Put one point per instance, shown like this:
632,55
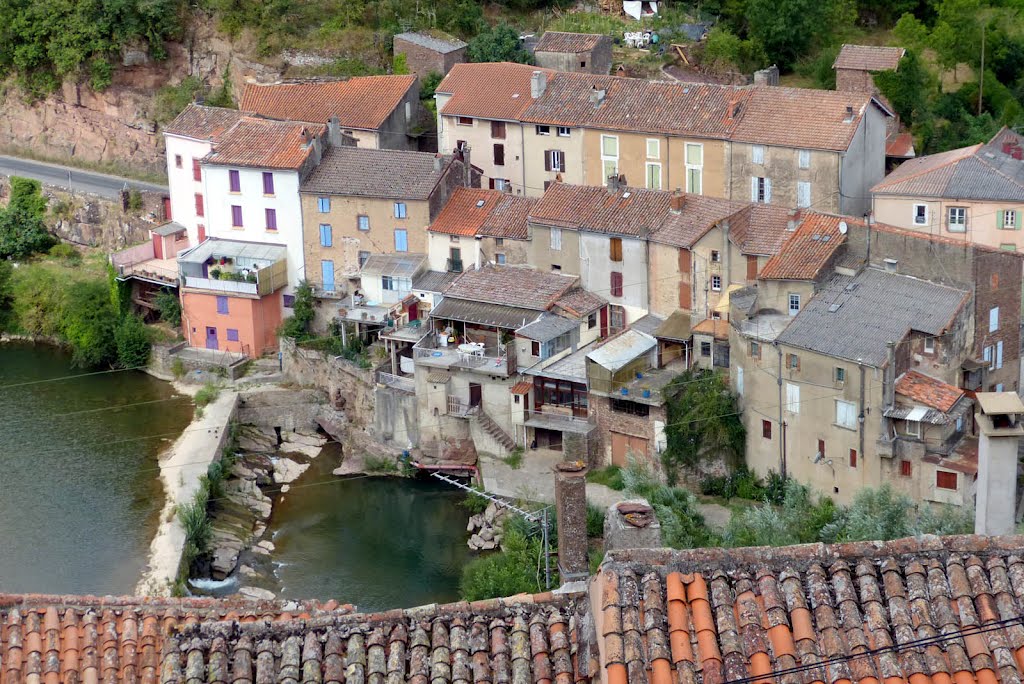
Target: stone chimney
614,183
334,132
998,416
677,201
631,525
794,216
438,160
467,166
768,76
571,512
538,84
849,114
597,96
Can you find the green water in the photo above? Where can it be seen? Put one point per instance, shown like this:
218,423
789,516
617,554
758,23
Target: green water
80,493
376,542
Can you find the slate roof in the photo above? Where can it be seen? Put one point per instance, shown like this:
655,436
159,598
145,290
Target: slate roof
484,313
363,172
633,212
561,41
857,323
169,228
511,286
928,391
868,57
362,102
433,40
264,144
907,610
488,90
202,122
808,250
978,172
433,281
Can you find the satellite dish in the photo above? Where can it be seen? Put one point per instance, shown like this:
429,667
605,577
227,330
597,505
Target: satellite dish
843,227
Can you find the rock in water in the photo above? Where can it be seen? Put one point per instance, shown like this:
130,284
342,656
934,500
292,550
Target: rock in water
257,594
225,558
287,470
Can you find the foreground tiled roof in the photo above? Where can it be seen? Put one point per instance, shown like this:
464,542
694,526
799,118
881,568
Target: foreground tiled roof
264,144
698,215
579,302
630,211
868,57
928,391
560,41
511,286
203,123
363,102
809,248
466,211
488,90
847,613
979,172
363,172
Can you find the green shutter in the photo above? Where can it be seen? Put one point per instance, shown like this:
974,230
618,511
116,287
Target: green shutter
1016,219
1001,219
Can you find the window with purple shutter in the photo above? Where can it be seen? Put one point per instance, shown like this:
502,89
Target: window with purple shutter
268,183
236,215
234,183
232,335
222,305
271,219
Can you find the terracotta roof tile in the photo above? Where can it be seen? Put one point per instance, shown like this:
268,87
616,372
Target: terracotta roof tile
868,57
560,41
808,249
466,211
203,123
362,102
925,390
718,328
522,387
264,144
579,302
761,229
698,215
504,285
900,145
488,90
359,171
508,218
631,211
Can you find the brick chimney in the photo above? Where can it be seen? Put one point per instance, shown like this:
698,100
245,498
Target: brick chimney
538,84
998,416
571,512
678,200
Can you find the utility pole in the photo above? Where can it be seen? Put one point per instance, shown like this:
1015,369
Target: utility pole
981,74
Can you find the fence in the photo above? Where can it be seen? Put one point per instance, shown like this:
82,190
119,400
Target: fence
396,382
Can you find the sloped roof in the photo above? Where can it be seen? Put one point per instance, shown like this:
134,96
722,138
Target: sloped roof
621,349
579,302
433,281
466,211
508,218
760,229
364,172
856,323
716,327
868,57
439,41
808,250
561,41
511,286
484,313
929,391
363,102
675,328
699,214
979,172
202,122
633,212
547,327
488,90
399,265
264,144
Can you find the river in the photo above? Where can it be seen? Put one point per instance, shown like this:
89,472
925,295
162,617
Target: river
79,486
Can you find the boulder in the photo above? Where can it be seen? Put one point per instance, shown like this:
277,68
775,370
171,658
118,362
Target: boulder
247,571
487,534
490,512
287,470
488,546
225,558
260,551
307,450
266,544
257,594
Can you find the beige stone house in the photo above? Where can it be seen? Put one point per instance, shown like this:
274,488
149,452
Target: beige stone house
479,226
856,64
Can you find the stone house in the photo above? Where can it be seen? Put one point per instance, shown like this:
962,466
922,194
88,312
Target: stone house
477,227
856,64
430,52
589,53
379,112
361,201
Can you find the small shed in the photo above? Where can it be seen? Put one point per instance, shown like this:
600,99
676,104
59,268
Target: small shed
428,52
615,363
589,53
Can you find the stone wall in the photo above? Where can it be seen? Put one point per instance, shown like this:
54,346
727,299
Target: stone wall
396,417
337,377
164,357
288,410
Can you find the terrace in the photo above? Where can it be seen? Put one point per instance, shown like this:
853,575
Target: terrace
234,267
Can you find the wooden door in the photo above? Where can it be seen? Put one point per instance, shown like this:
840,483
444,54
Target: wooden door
476,394
625,447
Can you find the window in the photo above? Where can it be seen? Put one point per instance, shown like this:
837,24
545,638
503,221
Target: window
993,319
716,256
234,181
564,131
363,256
653,175
913,428
616,289
766,429
705,349
177,161
794,303
905,468
270,215
840,374
716,283
543,130
1007,246
615,249
757,154
694,168
853,458
760,189
592,321
792,361
464,120
197,170
556,268
534,348
388,283
846,414
957,219
499,258
616,318
630,407
959,423
556,239
400,210
501,184
653,148
999,356
1008,220
804,159
363,222
401,240
920,214
498,130
326,238
610,155
792,397
929,345
755,350
200,210
268,183
945,479
236,216
803,194
288,301
821,447
323,204
222,304
232,335
989,357
499,154
739,380
554,160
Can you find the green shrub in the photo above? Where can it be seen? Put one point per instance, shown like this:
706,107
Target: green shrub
474,503
196,522
609,476
514,458
169,306
518,568
380,465
22,231
178,368
66,252
132,340
595,520
207,394
134,200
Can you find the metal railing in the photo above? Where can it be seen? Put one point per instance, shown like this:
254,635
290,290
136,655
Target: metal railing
457,407
396,382
454,265
234,286
560,416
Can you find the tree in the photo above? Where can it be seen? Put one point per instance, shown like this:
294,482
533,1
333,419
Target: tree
6,293
88,321
703,421
956,37
22,231
297,327
907,88
911,32
789,28
169,306
132,340
498,44
725,50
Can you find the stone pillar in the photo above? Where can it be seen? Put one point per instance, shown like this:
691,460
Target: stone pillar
1000,429
571,512
631,525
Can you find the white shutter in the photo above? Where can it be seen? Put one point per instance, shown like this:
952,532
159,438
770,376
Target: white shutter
792,397
803,194
556,238
767,190
999,354
753,188
993,319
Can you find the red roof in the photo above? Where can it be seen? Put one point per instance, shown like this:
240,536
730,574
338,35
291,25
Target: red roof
489,90
809,248
523,387
363,102
928,391
466,211
203,123
868,58
715,327
265,144
629,211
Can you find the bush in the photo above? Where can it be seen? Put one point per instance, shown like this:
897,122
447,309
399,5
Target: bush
380,465
741,483
514,458
132,340
474,503
514,570
498,44
609,476
65,252
297,327
169,306
134,200
194,519
88,323
207,394
595,520
22,231
682,525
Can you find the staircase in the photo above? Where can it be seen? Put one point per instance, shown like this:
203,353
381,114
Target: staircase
492,428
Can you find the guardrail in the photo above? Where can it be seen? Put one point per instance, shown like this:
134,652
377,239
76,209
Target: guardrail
234,286
396,382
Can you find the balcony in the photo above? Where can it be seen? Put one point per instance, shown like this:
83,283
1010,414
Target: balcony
481,358
234,268
559,418
140,262
454,265
397,382
413,331
457,407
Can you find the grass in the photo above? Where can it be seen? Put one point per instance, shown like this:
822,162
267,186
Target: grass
474,503
207,394
514,458
381,465
609,476
595,520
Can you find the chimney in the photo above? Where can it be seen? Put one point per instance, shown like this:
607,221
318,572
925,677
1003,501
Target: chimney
631,524
467,166
769,76
998,416
675,204
889,391
849,114
597,96
538,83
334,132
792,220
571,512
613,183
437,162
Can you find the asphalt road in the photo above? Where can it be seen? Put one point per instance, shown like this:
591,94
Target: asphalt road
77,180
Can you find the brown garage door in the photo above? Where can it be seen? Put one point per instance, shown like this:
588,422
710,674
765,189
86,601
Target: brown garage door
623,445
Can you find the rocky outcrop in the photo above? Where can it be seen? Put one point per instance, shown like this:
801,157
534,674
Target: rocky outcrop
486,529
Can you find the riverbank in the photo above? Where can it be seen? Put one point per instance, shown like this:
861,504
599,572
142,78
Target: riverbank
180,469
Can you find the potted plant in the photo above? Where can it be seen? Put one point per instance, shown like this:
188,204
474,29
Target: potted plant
251,278
223,261
215,273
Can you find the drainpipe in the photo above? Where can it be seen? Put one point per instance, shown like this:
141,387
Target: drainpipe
782,424
860,418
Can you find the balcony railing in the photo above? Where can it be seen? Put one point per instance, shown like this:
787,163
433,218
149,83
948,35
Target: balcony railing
454,265
457,407
396,382
232,286
490,360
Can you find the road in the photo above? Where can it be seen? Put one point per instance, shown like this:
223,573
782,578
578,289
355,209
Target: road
80,180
